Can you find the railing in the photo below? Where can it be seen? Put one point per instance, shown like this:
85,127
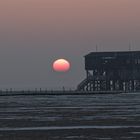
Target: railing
32,93
83,83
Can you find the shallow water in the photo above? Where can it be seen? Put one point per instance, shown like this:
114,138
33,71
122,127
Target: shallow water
71,117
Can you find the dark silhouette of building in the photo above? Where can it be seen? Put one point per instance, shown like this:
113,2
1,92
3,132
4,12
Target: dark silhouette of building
111,71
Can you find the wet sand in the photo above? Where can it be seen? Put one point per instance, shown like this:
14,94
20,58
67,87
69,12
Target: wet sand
86,117
74,134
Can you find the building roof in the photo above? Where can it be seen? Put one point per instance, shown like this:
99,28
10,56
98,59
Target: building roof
112,53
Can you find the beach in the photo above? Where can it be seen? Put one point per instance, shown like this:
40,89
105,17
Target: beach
70,117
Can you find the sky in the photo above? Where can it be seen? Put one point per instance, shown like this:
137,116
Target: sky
34,33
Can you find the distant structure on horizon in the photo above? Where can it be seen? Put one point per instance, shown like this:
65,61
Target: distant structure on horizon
111,71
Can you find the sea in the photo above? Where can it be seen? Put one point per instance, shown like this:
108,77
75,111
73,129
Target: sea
70,117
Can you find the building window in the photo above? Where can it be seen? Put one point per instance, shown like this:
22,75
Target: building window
138,61
128,61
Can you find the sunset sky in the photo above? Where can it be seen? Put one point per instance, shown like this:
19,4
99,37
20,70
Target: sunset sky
34,33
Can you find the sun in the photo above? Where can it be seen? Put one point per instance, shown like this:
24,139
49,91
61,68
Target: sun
61,65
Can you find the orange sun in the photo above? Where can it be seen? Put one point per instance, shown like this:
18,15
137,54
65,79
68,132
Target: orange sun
61,65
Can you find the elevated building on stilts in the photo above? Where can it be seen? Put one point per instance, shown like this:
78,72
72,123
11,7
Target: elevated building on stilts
111,71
